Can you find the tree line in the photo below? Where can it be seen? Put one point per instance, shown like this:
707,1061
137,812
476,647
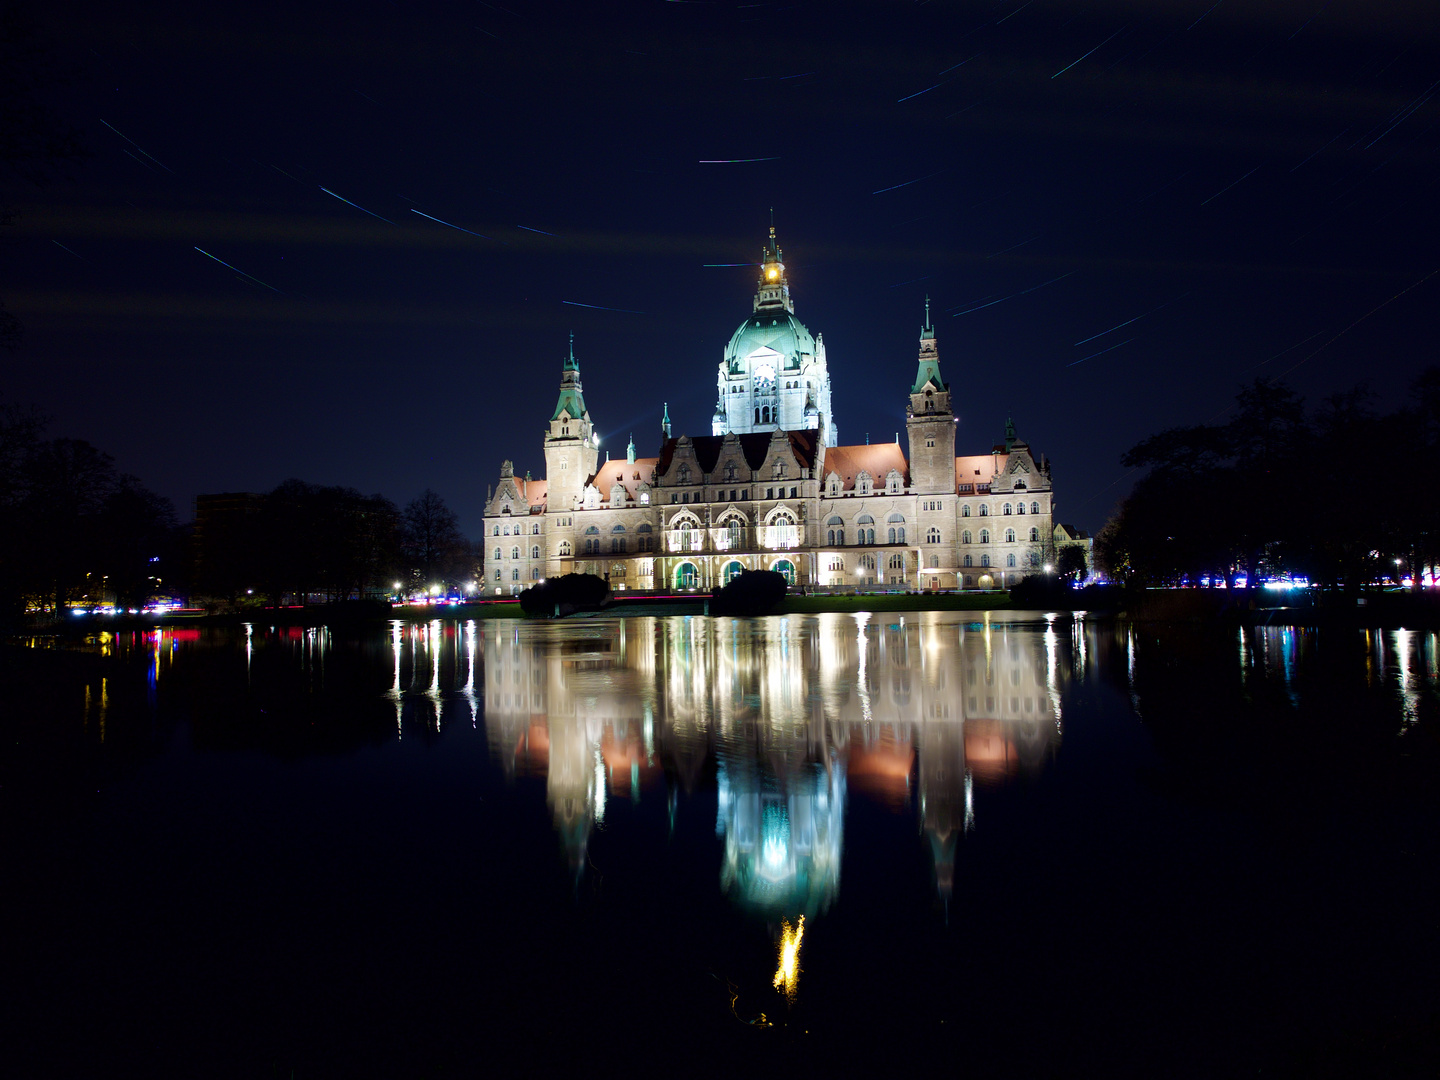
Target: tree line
306,541
1336,494
74,529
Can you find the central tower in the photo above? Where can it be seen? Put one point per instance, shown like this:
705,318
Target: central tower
774,374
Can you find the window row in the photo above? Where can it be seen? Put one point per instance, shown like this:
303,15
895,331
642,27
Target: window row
1010,536
1006,510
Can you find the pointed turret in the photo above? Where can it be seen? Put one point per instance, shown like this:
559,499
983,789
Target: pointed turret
630,451
572,401
773,293
930,423
665,421
927,373
571,445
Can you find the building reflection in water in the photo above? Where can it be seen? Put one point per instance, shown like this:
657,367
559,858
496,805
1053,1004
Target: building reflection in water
919,712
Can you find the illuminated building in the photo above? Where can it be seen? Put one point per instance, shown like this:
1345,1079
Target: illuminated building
772,488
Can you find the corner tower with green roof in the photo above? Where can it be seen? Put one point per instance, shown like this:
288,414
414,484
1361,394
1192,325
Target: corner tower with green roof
571,445
774,373
930,421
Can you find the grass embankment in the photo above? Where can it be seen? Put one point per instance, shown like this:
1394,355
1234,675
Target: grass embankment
808,605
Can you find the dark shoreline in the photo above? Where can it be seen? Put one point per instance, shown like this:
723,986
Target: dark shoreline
1379,610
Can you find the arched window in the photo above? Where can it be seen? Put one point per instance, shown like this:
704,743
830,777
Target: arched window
897,561
515,574
497,530
535,552
892,534
535,529
932,535
514,553
1009,536
782,531
984,509
964,509
900,532
1006,510
564,548
686,576
1034,535
497,554
732,571
984,536
497,575
786,567
968,561
1034,558
535,574
1009,560
735,533
934,562
984,560
1019,508
1034,508
965,537
862,483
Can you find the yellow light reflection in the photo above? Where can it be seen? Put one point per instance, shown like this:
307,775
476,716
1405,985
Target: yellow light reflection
787,975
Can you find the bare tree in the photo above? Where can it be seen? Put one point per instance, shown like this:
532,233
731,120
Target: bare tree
434,548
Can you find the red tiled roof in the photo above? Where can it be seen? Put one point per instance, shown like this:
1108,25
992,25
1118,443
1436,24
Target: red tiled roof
631,474
532,492
979,468
877,459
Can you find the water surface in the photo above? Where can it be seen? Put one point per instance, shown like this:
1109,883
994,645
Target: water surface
1011,844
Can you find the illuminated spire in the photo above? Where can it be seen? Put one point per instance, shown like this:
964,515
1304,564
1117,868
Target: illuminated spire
773,293
928,373
665,421
630,451
572,401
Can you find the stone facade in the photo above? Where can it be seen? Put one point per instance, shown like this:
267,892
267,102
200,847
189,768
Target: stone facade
771,489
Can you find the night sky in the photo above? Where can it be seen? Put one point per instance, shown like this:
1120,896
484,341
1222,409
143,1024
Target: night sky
1122,209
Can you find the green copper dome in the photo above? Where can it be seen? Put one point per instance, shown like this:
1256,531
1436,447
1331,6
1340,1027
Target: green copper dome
778,331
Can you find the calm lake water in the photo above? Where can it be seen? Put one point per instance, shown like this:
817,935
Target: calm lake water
1000,844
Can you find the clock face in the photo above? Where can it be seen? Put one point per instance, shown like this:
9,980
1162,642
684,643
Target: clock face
765,376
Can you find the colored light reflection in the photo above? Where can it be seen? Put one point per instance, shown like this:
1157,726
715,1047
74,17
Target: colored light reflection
787,974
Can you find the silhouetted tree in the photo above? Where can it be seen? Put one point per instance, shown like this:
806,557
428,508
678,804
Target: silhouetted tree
1070,563
435,552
